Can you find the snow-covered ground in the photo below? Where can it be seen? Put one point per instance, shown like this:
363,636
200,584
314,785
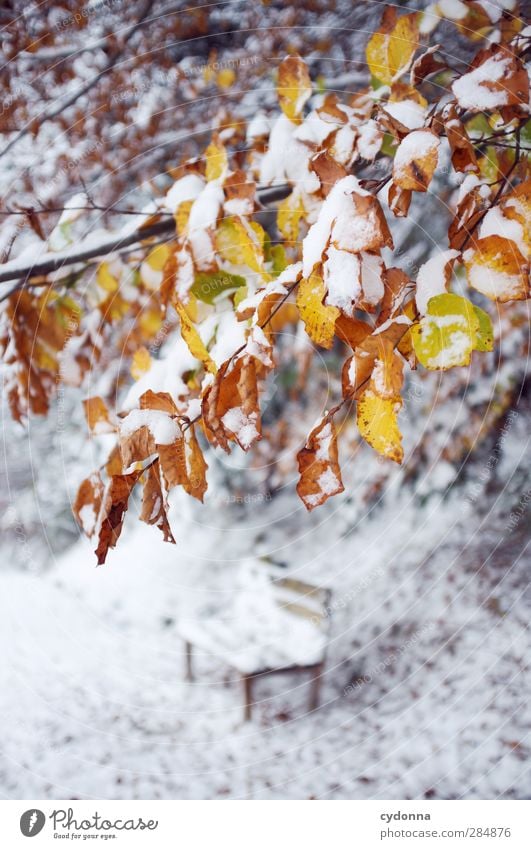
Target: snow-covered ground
427,688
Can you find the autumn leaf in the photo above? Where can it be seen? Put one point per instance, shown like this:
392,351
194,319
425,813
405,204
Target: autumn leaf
496,268
320,474
378,424
446,336
319,320
196,466
192,338
241,242
416,160
294,87
208,287
230,407
87,505
216,160
497,80
462,150
289,214
98,417
154,507
391,48
114,506
141,362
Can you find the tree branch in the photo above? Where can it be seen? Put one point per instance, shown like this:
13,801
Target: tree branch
50,262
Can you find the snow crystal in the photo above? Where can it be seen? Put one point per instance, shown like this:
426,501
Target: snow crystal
470,92
431,279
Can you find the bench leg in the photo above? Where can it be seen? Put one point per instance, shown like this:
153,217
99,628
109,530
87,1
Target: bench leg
188,661
315,687
247,697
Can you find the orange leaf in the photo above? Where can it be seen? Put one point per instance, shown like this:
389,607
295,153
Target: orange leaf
320,475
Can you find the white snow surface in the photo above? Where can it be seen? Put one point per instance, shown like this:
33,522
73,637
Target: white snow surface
427,686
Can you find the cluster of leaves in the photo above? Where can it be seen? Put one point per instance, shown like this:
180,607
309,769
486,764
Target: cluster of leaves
229,284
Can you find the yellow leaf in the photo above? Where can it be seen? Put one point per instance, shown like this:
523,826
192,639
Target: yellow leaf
497,269
182,215
390,50
226,78
196,346
294,87
446,336
141,363
216,160
150,321
319,320
105,279
290,211
156,258
378,425
416,160
241,242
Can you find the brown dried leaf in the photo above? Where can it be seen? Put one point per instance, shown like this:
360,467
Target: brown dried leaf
87,505
98,416
320,474
115,503
154,507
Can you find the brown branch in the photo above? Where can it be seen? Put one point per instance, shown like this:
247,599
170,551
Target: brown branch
116,244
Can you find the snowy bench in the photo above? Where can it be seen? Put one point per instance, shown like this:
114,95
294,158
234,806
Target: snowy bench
274,624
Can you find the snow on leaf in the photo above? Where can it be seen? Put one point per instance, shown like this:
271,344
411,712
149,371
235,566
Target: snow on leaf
446,336
497,79
319,320
378,425
87,505
230,405
294,87
433,278
416,160
390,49
496,268
320,474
